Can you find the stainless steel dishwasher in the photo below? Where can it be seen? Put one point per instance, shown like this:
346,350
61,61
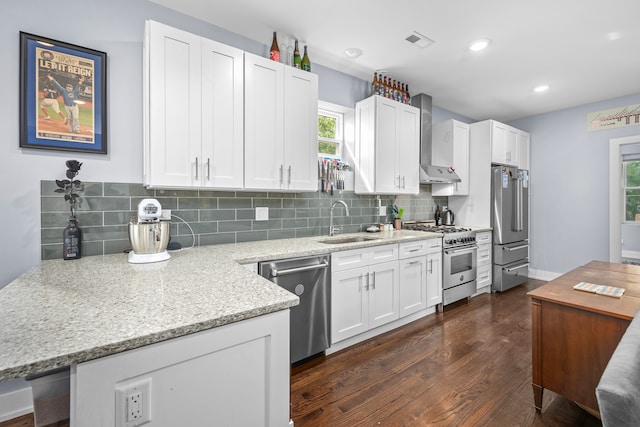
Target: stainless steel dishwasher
310,279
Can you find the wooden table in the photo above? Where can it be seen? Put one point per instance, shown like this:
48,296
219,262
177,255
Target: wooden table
575,333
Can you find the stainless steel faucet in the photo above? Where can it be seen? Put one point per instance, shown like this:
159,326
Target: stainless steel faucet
333,230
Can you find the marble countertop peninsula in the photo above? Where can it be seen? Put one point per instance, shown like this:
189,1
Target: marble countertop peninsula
66,312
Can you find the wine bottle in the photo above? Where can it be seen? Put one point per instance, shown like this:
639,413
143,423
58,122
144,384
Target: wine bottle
274,53
305,63
408,96
437,215
296,56
71,240
374,84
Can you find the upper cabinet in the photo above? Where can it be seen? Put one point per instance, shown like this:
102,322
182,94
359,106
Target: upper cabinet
217,117
281,126
523,150
504,144
452,136
193,111
509,146
387,147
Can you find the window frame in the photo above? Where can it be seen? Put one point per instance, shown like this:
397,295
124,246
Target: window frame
334,111
625,188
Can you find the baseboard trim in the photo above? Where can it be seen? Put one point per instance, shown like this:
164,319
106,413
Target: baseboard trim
15,404
543,275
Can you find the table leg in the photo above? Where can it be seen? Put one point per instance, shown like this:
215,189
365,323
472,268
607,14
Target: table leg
537,397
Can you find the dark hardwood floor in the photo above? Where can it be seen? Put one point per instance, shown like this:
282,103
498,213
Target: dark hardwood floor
468,366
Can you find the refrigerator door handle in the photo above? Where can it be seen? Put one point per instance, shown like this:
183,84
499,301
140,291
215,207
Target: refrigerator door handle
517,205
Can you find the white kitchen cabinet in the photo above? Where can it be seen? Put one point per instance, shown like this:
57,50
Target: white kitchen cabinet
281,126
193,111
413,277
504,144
452,139
484,261
364,290
387,147
236,374
434,272
523,150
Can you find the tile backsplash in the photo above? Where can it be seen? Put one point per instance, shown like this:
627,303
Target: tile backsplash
214,216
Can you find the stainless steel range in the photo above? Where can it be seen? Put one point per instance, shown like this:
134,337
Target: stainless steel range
459,260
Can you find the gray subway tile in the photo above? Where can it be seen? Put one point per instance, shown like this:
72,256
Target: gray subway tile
219,215
238,203
281,234
116,246
124,189
251,236
175,193
267,225
217,239
229,226
197,203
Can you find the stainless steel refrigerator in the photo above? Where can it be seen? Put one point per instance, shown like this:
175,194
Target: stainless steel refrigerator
510,222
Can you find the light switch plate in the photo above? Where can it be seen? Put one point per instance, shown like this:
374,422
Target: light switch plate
262,213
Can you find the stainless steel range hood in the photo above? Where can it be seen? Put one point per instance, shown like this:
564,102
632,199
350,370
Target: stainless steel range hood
430,173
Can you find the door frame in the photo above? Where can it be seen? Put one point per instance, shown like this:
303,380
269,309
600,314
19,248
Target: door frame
615,195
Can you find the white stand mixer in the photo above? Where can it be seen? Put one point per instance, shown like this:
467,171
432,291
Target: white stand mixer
149,236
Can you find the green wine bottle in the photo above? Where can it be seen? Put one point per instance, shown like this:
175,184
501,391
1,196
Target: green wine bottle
306,64
296,56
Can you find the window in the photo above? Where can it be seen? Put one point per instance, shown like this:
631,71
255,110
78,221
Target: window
632,190
330,133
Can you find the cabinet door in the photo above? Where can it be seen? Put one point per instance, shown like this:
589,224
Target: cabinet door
365,143
264,123
173,121
523,150
434,279
413,285
408,148
384,293
222,160
504,144
349,303
387,175
301,130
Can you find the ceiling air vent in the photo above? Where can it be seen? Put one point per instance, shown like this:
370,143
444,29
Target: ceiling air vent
419,40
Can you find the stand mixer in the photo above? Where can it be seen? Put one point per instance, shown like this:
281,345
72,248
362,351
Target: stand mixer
149,236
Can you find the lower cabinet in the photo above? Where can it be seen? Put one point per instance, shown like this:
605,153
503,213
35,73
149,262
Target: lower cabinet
484,266
236,374
434,272
364,290
375,286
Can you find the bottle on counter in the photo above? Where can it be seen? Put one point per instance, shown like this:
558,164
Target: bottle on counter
72,239
436,216
408,96
296,56
274,52
305,63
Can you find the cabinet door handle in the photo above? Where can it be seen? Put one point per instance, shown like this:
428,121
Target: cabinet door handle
398,181
196,168
208,169
373,280
414,262
403,182
289,181
281,174
366,287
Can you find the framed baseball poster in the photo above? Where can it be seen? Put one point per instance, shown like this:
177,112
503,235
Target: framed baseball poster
63,90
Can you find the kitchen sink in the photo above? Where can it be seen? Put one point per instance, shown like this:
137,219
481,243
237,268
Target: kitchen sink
350,239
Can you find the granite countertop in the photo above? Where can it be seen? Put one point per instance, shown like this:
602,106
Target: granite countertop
66,312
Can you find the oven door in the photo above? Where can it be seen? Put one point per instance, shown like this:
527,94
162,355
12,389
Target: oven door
459,266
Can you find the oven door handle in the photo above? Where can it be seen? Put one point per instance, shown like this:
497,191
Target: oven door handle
457,251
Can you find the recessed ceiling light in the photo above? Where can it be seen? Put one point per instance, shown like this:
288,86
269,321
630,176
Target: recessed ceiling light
353,52
479,44
541,88
614,35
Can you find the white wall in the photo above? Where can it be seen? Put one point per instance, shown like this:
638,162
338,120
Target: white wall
569,223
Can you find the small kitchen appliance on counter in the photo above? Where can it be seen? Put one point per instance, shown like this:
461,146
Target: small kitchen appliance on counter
149,236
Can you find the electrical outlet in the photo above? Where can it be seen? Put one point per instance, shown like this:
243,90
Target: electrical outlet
382,210
262,213
133,404
166,214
